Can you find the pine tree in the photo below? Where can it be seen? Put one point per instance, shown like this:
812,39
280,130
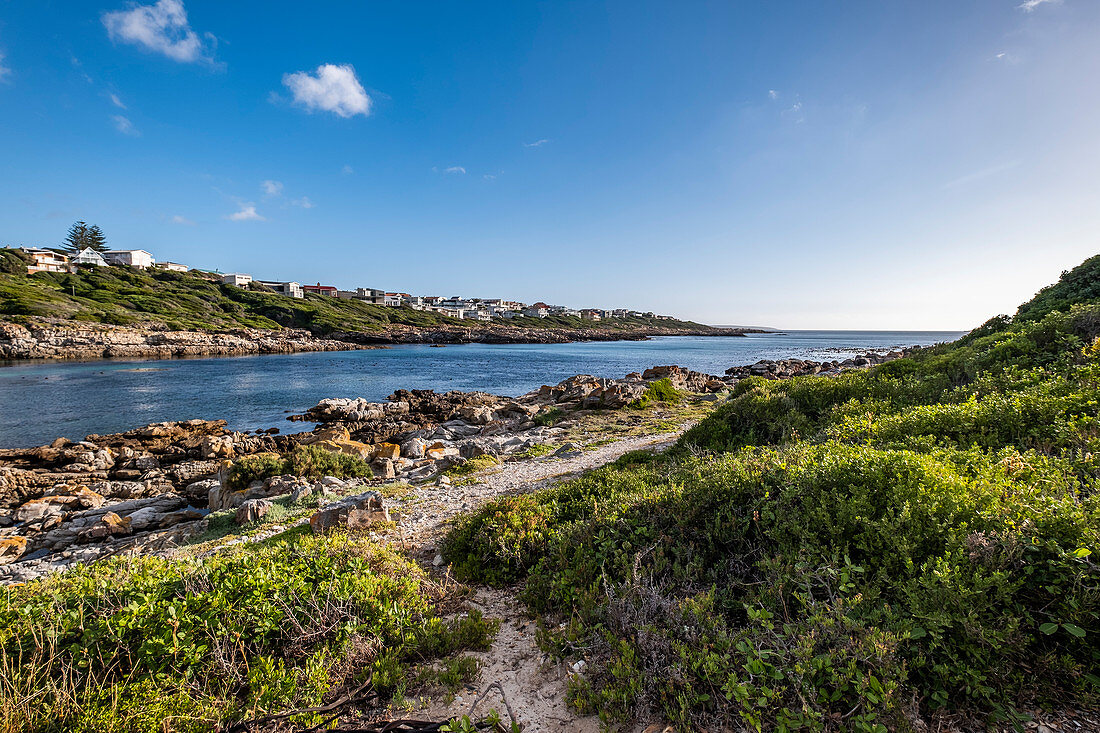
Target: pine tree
96,240
78,238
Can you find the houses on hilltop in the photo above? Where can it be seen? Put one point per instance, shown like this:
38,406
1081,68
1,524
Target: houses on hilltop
478,309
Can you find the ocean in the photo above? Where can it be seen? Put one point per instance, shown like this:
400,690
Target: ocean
45,400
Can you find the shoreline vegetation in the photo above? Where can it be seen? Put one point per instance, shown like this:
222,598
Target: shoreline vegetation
119,311
899,542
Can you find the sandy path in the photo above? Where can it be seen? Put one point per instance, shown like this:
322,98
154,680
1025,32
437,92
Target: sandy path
535,688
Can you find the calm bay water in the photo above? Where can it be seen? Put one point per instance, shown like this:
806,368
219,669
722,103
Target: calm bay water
42,401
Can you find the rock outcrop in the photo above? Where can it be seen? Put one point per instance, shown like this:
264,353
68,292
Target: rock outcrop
97,341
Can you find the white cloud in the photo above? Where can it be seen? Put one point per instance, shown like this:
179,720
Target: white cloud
4,70
331,88
123,125
773,94
116,101
177,219
1029,6
161,27
347,170
272,188
455,169
247,213
536,144
302,203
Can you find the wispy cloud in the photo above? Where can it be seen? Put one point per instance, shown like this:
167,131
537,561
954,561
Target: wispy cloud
984,173
272,188
347,170
536,144
455,169
177,219
247,212
123,125
115,100
330,88
161,27
773,94
5,71
795,113
1029,6
302,203
80,69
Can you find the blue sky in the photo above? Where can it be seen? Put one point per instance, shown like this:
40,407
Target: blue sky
913,165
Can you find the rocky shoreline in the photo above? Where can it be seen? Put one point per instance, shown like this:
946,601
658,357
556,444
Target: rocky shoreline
98,341
153,488
50,339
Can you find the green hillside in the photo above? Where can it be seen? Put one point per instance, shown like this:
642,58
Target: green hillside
193,300
870,552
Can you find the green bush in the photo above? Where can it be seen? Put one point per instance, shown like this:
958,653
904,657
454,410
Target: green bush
549,418
919,549
127,644
309,460
659,391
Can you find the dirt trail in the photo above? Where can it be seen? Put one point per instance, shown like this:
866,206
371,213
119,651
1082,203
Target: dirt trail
535,687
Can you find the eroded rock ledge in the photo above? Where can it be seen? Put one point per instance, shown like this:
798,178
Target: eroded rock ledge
98,341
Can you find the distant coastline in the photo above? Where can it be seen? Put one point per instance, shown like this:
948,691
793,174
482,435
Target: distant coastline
51,339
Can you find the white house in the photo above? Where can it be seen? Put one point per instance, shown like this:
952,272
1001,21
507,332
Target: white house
89,256
237,278
172,266
45,260
368,295
289,289
133,257
536,312
393,300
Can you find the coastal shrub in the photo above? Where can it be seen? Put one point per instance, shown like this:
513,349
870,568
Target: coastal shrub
535,451
659,391
549,418
935,572
1079,285
309,461
472,466
254,468
144,643
13,261
315,462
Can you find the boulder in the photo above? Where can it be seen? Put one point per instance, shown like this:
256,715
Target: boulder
253,510
337,433
188,514
216,446
109,525
477,415
12,548
302,492
413,448
438,451
144,514
389,451
355,513
44,508
383,468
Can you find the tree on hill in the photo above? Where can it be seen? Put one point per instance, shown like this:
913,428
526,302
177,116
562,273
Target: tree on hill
81,236
98,241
